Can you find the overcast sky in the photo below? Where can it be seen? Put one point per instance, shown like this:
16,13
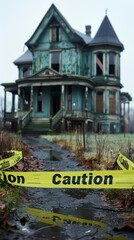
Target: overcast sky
20,18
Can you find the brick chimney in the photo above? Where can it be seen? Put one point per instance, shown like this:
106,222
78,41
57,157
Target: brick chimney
88,30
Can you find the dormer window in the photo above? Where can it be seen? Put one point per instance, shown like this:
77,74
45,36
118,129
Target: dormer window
54,31
25,72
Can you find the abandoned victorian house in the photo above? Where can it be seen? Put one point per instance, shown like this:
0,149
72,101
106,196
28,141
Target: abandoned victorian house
68,79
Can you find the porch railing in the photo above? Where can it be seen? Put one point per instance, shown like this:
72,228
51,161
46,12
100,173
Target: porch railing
10,116
25,119
79,114
56,118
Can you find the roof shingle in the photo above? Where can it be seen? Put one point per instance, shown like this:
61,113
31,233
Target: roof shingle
106,35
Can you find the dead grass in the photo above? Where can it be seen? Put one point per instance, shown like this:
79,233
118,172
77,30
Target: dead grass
101,149
10,141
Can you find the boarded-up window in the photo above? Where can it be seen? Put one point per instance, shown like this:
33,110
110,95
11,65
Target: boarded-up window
112,103
99,102
99,63
55,34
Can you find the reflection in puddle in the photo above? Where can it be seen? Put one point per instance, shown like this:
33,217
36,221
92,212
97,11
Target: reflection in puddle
77,193
51,155
57,219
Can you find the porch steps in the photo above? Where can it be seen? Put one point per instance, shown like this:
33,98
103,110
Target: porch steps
38,125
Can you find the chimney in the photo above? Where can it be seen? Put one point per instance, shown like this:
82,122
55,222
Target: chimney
88,30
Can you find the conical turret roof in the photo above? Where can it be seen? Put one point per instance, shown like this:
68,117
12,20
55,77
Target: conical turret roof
106,35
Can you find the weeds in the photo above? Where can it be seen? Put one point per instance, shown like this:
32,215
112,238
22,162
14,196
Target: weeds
100,141
9,195
125,197
9,141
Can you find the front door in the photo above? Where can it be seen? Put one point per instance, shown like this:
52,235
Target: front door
55,100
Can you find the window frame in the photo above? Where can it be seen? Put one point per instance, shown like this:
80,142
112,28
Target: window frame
99,63
112,64
54,62
54,33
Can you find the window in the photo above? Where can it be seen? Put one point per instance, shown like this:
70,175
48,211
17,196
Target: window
112,103
25,72
99,63
55,61
39,99
55,34
99,102
112,63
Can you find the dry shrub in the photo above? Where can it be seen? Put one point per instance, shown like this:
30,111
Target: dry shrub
121,198
9,141
100,141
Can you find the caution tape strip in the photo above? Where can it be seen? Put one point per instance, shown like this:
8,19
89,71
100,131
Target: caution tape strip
71,179
11,161
57,219
124,163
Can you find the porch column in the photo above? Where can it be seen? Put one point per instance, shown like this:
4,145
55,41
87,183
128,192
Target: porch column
5,104
13,103
106,101
62,96
93,101
19,122
62,107
128,116
31,98
86,98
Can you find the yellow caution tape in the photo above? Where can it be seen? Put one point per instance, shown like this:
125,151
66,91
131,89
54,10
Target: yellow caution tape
57,219
71,179
124,163
11,161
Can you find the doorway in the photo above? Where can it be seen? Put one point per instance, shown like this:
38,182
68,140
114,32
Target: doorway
55,100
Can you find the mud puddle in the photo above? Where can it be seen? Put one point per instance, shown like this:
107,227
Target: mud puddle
63,214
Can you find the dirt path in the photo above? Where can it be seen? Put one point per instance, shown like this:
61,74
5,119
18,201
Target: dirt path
63,214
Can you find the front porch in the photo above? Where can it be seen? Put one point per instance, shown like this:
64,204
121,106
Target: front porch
63,120
48,105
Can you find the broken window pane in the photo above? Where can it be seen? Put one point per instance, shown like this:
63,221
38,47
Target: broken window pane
55,61
99,63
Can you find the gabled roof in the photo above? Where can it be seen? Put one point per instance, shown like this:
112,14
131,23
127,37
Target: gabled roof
45,72
25,58
106,35
53,12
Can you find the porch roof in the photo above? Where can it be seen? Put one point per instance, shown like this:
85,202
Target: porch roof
10,87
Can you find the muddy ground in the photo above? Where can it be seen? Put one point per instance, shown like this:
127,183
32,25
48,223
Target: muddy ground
63,214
